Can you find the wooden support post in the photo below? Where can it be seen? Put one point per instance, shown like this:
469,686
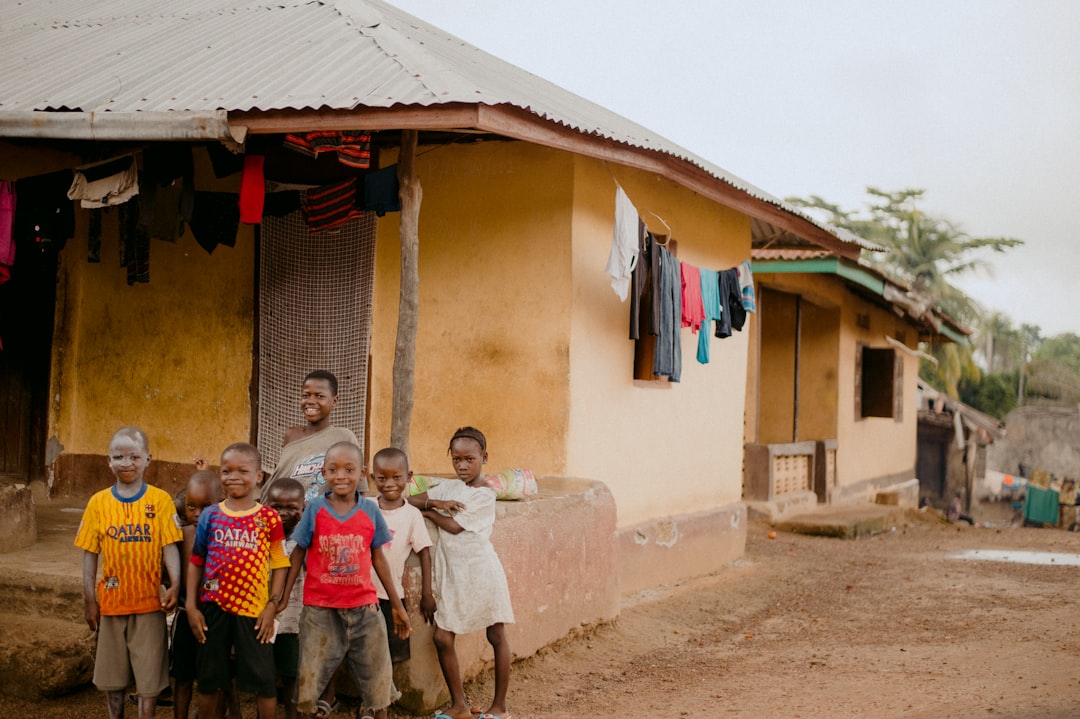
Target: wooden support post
410,194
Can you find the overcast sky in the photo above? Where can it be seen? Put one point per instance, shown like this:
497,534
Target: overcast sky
975,101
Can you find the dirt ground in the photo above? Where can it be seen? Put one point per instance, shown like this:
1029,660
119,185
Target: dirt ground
885,626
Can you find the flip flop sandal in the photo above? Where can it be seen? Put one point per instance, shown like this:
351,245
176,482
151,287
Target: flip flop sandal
324,709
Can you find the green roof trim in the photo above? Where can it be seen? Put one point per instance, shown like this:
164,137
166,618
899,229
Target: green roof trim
953,335
856,275
823,266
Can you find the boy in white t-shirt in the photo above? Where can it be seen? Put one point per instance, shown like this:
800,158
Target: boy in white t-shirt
390,472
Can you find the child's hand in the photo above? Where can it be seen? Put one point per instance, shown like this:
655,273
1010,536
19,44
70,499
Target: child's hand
168,602
447,505
92,613
200,463
427,607
197,622
401,623
264,624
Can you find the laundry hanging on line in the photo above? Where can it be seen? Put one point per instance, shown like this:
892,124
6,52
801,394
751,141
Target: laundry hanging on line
104,184
625,244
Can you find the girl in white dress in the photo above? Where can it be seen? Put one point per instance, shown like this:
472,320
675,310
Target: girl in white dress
470,586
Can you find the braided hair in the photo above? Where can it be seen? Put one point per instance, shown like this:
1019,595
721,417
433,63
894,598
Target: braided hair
469,433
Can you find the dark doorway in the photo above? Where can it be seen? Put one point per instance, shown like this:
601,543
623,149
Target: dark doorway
931,461
27,304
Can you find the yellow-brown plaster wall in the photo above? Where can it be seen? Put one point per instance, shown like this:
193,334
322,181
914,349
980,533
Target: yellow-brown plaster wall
874,447
662,448
492,348
870,447
172,356
781,314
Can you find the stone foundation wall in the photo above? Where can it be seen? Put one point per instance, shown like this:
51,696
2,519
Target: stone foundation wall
561,560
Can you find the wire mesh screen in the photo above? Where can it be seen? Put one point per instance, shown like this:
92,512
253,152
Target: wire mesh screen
314,313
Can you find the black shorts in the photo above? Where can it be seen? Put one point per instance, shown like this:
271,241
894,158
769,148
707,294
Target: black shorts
185,650
287,655
399,648
227,633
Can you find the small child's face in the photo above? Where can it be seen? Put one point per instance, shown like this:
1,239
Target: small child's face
198,498
240,474
128,459
343,468
317,400
467,457
390,477
289,504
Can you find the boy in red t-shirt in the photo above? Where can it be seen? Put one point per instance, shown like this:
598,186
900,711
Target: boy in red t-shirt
341,619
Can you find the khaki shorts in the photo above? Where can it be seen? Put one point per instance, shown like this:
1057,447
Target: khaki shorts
132,647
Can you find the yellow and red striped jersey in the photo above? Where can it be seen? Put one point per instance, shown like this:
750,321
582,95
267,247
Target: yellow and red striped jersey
129,535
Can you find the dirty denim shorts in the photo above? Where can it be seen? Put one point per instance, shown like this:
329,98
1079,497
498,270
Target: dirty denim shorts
355,637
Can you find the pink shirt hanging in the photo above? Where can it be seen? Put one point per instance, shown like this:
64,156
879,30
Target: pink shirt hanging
693,310
7,239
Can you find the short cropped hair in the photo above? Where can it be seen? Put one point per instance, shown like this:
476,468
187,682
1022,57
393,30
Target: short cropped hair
324,375
286,485
345,445
390,454
210,480
244,448
132,432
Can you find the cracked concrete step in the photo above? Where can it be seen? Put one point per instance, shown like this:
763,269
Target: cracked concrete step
55,596
44,656
845,522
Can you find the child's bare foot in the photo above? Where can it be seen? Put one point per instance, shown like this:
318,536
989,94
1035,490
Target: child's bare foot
495,712
455,712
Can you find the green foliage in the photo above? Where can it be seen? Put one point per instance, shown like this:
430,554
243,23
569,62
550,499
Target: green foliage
921,250
994,394
1063,349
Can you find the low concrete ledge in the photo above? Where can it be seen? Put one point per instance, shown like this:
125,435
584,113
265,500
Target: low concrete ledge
562,564
903,494
866,491
787,506
672,549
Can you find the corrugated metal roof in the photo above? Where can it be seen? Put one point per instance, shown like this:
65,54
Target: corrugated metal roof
127,56
767,236
791,254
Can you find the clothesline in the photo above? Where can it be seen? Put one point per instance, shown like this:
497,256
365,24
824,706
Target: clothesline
679,294
159,200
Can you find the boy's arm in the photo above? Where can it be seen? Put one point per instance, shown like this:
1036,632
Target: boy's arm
427,597
195,617
170,554
264,623
382,570
91,610
185,552
296,563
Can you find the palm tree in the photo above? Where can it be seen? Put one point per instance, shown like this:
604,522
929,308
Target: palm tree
925,252
1000,343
